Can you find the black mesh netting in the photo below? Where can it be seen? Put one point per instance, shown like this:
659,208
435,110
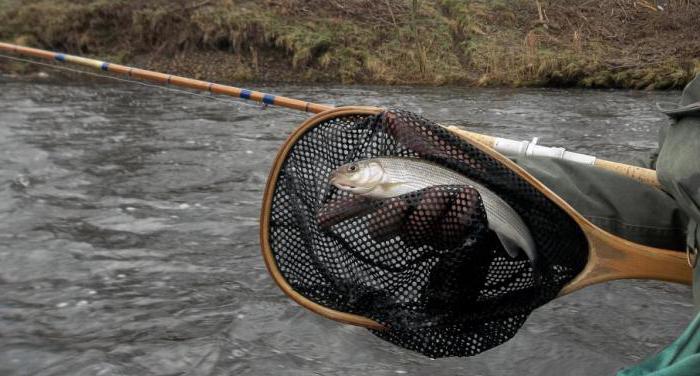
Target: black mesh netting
425,264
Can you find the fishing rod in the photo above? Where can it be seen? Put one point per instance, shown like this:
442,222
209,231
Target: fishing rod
508,147
167,79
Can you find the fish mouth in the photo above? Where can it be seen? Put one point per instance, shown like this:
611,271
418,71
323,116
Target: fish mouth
340,185
336,180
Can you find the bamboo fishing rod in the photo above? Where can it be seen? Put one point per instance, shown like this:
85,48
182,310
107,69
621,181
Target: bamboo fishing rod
502,145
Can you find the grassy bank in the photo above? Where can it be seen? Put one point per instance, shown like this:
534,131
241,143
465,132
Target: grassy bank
605,43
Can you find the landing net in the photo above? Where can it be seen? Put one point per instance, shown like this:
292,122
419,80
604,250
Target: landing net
423,265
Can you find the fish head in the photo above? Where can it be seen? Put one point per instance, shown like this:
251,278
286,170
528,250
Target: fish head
358,177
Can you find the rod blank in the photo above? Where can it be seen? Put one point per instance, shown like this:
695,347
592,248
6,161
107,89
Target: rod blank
169,79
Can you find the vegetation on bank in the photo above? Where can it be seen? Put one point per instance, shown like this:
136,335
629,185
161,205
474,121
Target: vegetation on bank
604,43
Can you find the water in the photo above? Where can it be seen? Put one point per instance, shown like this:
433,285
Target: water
129,236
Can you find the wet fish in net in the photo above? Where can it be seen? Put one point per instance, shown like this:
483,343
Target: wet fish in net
388,177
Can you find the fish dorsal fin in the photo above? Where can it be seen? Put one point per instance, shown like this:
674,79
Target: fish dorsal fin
510,246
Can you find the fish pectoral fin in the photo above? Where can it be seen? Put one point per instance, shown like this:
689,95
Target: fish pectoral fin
510,246
390,186
393,183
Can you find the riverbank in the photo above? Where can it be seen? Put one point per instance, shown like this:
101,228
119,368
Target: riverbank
607,43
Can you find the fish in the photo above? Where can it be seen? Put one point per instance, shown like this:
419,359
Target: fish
387,177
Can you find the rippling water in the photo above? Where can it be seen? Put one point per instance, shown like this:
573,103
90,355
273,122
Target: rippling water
129,236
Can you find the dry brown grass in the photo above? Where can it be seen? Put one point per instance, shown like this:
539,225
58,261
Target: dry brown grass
605,43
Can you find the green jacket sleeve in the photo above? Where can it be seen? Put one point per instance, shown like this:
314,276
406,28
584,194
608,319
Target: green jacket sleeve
681,358
611,202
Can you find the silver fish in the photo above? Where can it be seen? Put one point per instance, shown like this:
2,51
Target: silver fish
394,176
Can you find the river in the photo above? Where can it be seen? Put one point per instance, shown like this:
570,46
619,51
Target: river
129,235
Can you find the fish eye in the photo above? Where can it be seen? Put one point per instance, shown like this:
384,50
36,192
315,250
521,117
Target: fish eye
352,168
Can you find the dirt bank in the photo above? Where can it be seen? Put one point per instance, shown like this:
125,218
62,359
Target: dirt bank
605,43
